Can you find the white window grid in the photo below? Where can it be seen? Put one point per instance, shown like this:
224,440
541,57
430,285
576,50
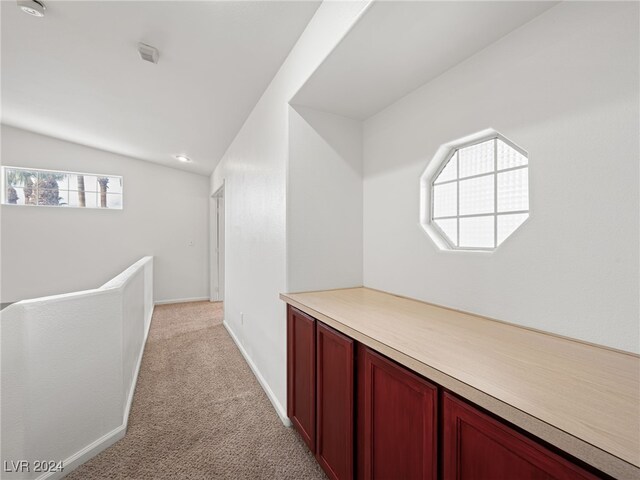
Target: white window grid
3,180
495,214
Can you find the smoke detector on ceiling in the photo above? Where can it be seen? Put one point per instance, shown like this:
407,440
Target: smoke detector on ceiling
32,7
148,53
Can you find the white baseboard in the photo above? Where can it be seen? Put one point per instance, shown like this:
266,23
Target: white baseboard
88,452
104,442
181,300
282,413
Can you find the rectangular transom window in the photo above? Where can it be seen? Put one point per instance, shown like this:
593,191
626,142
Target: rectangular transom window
30,186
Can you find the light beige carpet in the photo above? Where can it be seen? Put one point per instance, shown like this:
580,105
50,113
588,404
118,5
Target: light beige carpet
198,411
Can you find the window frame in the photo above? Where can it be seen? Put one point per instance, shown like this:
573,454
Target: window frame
428,181
3,194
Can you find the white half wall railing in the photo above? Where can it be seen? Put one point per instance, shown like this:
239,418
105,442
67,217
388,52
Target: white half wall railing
69,368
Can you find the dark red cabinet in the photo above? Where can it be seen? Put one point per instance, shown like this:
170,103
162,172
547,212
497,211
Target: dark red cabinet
335,402
320,391
479,447
397,421
301,374
406,429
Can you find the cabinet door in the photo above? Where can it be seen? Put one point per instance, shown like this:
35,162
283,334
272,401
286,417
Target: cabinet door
478,447
334,438
301,374
399,422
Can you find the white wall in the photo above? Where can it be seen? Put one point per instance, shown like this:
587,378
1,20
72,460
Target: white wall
254,171
564,87
66,392
324,201
46,251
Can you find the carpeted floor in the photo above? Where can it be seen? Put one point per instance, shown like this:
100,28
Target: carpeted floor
198,412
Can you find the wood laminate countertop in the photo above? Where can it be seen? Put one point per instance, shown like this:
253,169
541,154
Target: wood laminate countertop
580,397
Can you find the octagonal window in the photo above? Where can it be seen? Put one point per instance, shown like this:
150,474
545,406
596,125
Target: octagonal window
479,193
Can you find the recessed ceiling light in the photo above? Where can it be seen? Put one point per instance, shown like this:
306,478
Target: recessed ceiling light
182,158
32,7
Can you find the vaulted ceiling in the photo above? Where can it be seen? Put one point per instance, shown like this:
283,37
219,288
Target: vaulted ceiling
75,74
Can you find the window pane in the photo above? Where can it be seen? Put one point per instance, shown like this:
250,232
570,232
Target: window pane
72,199
507,224
91,199
74,180
21,186
90,183
15,195
30,196
63,181
476,195
513,190
477,232
449,227
64,198
445,200
103,183
20,178
114,200
449,172
114,185
50,180
509,157
12,177
476,159
47,196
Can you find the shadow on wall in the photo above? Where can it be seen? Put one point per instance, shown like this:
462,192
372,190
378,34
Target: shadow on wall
342,134
324,201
